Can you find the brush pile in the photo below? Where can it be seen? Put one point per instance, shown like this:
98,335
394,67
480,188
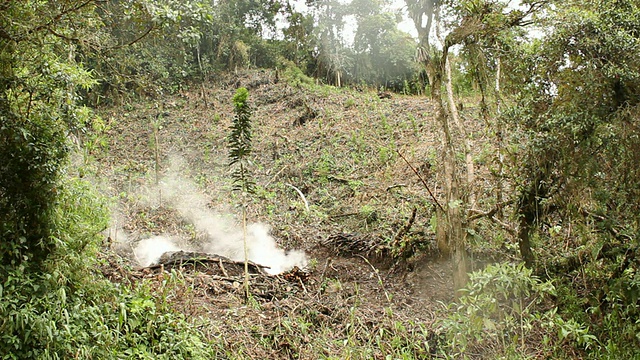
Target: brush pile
353,244
213,275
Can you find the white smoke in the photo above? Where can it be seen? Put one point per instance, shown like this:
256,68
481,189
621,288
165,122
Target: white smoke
148,251
264,250
224,236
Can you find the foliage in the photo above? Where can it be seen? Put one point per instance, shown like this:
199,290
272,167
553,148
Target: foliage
298,38
499,310
52,303
157,47
383,54
575,111
380,55
66,310
572,100
240,142
239,150
38,111
295,77
152,47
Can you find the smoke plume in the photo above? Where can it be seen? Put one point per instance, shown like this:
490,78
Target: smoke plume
223,235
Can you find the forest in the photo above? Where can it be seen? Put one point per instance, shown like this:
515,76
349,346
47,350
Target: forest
319,179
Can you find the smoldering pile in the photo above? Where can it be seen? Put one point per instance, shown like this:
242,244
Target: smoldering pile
218,235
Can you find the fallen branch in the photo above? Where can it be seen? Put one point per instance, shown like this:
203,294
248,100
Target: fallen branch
422,180
504,225
405,229
324,271
224,271
395,186
607,224
491,216
479,213
276,175
377,272
306,203
343,215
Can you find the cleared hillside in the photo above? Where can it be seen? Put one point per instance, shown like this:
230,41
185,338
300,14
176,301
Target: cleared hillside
371,261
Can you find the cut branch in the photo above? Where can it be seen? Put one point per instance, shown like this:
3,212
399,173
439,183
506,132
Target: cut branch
405,229
421,180
480,214
306,203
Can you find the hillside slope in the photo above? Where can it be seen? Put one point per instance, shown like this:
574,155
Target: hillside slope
329,182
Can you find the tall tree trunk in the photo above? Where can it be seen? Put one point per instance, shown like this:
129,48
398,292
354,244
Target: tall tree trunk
528,213
455,218
484,109
455,116
524,240
451,226
454,226
500,141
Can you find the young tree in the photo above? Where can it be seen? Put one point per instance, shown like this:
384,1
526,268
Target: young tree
239,150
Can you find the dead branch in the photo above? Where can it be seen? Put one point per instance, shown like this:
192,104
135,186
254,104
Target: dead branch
151,28
491,216
503,225
396,186
421,180
480,214
306,203
405,229
377,272
276,175
224,271
343,215
609,227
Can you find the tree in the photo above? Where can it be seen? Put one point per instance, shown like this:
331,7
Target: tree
51,296
579,90
384,55
239,150
40,82
299,39
575,122
332,57
468,21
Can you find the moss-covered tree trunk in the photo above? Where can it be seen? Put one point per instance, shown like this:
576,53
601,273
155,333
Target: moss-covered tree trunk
452,229
528,213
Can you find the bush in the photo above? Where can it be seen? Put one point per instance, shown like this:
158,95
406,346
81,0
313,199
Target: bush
69,311
498,311
295,76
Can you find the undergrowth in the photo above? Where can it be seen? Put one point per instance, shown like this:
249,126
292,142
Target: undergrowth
68,310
